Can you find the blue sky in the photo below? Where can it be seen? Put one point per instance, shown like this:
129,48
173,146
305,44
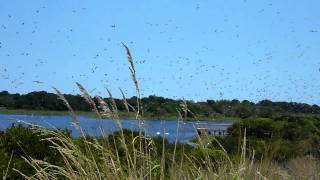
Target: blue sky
183,49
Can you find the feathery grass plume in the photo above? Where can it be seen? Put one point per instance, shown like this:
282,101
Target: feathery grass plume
114,107
88,99
186,110
135,81
106,112
139,110
124,99
73,115
78,164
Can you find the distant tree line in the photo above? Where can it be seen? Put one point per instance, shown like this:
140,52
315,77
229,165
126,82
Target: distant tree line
160,106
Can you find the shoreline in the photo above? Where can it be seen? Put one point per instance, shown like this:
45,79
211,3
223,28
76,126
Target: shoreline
123,115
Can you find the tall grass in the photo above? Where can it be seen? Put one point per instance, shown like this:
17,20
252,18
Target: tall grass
92,158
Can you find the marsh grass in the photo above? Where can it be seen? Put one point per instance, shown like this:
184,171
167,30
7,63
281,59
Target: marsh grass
136,156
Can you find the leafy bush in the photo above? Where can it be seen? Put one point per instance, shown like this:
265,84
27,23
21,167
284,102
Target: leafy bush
280,138
21,142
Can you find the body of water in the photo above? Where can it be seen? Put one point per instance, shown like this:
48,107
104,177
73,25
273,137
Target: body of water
164,128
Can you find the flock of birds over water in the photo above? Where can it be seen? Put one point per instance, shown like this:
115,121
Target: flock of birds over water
184,70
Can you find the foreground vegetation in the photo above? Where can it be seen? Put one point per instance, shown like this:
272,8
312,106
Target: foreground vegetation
284,148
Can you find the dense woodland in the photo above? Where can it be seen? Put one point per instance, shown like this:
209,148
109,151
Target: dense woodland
160,106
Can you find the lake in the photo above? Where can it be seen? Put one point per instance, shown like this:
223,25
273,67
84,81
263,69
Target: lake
164,128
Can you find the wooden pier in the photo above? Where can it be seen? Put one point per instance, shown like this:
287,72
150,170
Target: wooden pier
212,129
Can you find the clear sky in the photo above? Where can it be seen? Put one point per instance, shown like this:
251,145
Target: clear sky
199,49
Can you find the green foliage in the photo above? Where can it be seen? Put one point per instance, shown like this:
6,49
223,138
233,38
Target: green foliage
280,138
21,142
291,137
159,107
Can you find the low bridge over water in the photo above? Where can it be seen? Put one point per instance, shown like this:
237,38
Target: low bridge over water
212,129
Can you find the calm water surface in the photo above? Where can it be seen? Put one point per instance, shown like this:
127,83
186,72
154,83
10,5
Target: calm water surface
166,128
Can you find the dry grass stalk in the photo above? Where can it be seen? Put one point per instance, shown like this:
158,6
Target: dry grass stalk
106,112
186,110
88,99
114,109
7,169
139,111
134,79
124,99
72,113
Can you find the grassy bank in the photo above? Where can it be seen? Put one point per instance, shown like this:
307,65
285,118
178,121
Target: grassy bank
36,153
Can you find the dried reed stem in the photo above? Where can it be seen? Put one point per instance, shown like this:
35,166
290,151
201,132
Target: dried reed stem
88,99
134,79
73,115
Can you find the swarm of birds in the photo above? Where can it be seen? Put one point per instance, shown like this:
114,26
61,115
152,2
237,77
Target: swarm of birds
191,60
